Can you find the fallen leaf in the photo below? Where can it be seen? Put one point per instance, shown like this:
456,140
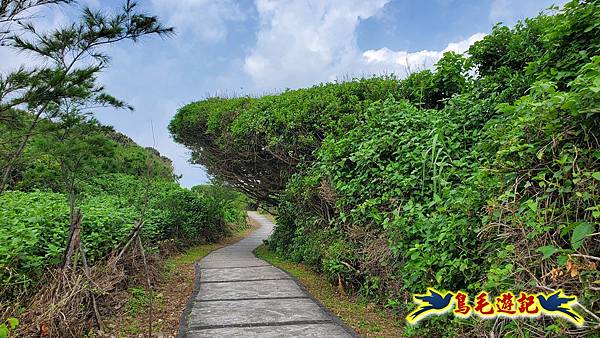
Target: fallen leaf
572,268
555,273
44,331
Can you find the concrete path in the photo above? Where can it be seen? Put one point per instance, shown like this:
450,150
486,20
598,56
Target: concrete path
239,295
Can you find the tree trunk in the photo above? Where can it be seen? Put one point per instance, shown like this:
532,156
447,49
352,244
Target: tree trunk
74,238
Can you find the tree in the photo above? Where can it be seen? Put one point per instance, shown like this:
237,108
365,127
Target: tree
12,12
74,59
81,151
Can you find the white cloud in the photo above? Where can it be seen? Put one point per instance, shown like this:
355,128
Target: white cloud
401,62
300,42
206,19
303,42
463,45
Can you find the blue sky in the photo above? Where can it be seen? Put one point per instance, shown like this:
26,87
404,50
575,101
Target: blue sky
226,47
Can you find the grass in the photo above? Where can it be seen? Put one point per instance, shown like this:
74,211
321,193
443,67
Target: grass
173,264
367,319
193,254
140,299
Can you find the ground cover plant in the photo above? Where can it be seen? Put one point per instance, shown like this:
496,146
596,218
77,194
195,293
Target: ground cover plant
481,174
173,287
85,212
364,317
112,199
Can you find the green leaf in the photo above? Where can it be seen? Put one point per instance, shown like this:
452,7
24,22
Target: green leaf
13,322
596,175
547,251
532,205
579,234
3,331
562,259
439,276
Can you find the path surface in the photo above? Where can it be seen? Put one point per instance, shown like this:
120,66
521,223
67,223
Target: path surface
239,295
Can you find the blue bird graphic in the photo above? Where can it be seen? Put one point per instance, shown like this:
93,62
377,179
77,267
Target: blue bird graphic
433,302
557,303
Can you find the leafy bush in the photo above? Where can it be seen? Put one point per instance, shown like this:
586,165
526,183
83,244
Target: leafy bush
254,144
231,203
33,229
34,225
98,150
192,216
480,174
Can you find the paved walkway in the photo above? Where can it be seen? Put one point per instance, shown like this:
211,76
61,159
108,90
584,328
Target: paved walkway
239,295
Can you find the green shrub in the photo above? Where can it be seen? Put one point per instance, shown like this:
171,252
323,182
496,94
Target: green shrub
232,204
483,173
34,225
192,216
33,229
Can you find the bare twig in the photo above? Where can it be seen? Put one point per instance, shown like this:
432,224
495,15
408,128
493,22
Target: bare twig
586,256
86,269
134,233
150,292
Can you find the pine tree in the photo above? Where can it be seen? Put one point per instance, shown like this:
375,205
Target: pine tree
70,58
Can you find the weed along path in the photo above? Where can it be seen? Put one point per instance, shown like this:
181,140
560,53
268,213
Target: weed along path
239,295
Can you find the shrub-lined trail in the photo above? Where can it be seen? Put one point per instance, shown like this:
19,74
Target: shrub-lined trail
238,295
479,175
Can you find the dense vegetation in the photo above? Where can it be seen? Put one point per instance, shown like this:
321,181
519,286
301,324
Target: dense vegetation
114,193
481,174
118,183
84,211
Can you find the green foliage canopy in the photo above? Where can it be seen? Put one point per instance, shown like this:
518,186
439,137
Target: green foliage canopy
483,173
